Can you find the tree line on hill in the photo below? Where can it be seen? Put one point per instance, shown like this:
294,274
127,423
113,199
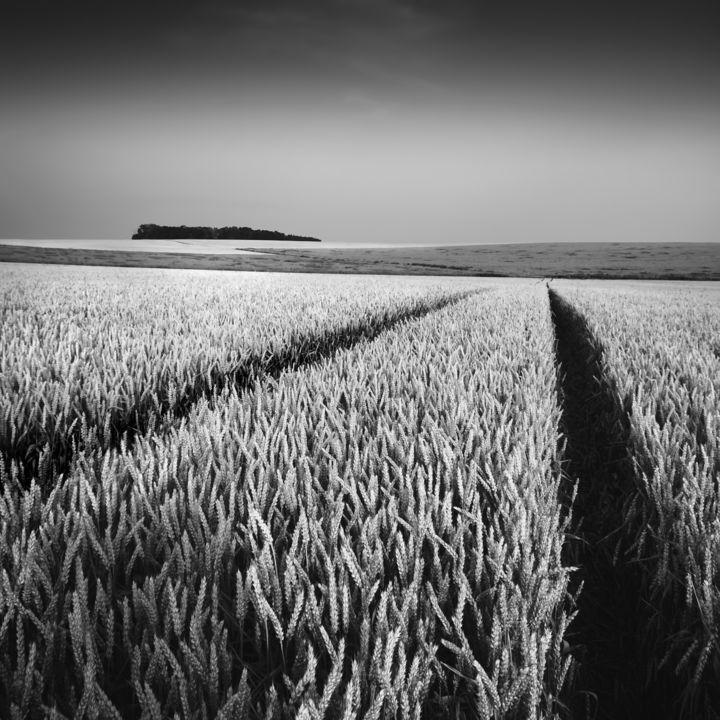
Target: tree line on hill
150,231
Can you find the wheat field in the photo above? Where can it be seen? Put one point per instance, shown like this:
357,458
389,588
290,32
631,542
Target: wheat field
275,496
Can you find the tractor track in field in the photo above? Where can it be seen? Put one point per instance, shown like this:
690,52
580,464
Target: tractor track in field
611,681
306,351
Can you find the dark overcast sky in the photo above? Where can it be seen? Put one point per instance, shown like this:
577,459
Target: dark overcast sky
361,120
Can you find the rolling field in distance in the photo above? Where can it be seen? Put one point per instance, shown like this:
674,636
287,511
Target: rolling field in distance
679,261
244,495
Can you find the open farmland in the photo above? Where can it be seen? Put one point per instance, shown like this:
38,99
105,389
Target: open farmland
639,260
278,496
95,361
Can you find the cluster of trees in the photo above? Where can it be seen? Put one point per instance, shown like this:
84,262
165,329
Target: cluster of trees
151,231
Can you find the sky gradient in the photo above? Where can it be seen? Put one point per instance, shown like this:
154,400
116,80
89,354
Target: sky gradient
357,120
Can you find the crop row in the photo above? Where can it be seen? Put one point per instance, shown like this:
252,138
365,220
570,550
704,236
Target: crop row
90,363
661,357
376,535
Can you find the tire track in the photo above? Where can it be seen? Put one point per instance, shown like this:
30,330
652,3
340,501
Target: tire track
34,462
613,679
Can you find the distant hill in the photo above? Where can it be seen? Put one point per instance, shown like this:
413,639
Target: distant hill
151,231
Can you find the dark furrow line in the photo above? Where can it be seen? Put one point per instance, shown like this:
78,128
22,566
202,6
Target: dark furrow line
612,679
299,353
317,348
